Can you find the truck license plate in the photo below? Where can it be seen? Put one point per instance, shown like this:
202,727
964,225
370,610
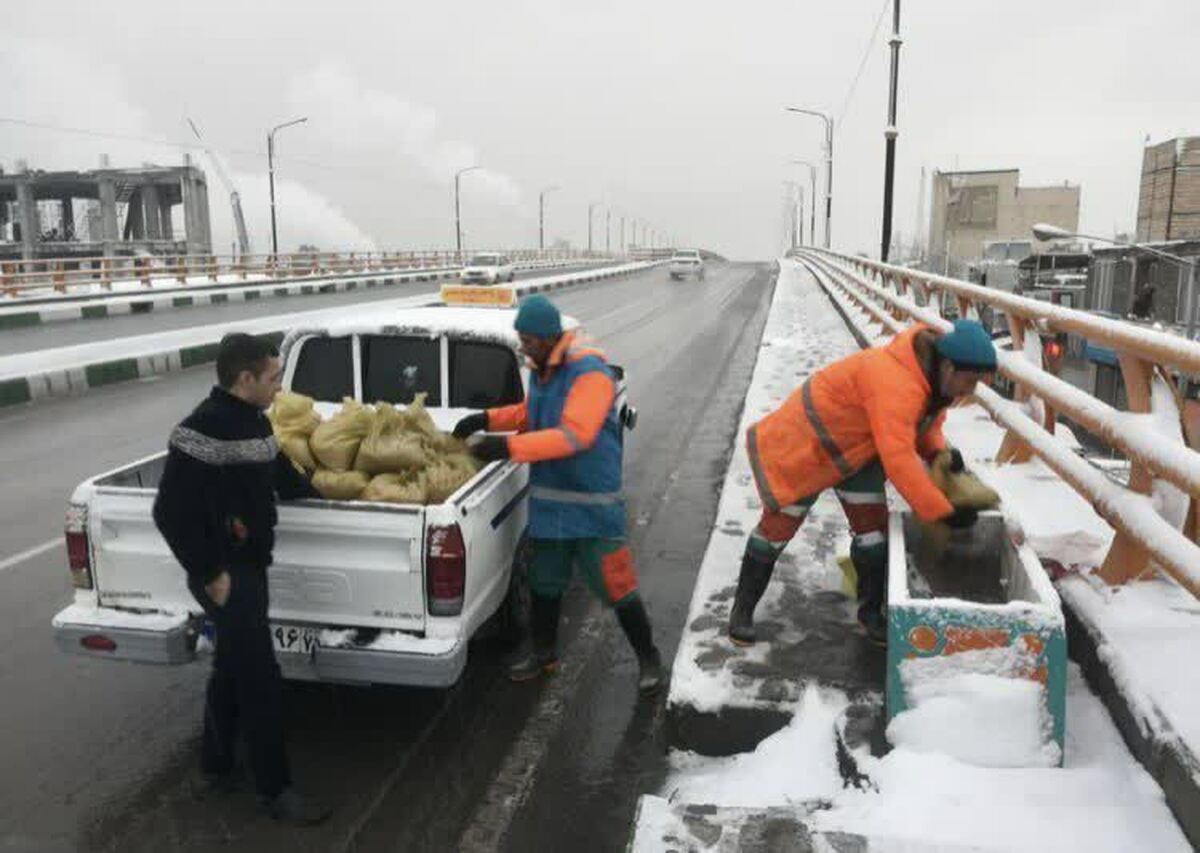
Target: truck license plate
295,640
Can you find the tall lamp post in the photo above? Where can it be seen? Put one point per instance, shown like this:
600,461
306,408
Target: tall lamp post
542,215
890,134
812,203
458,211
1043,231
591,207
271,176
796,197
828,119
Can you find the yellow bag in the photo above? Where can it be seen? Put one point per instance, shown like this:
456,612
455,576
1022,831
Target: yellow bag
340,485
293,413
962,489
335,442
388,449
293,420
446,476
445,444
417,419
406,488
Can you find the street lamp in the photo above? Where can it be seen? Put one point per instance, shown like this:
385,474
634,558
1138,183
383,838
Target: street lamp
890,134
542,215
828,119
1043,231
457,211
812,204
271,176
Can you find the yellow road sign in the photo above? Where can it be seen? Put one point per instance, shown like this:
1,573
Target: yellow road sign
484,297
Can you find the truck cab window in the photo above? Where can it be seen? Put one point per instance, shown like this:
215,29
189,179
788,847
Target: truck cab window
483,375
395,369
325,369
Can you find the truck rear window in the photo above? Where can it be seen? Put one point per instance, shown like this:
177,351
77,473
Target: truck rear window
395,369
483,375
325,369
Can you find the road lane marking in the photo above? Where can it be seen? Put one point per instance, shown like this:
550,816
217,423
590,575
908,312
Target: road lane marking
32,552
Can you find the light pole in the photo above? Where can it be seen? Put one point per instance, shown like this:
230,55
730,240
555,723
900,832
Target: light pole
271,176
591,207
828,119
621,245
890,133
607,230
542,215
1043,231
458,211
812,203
796,197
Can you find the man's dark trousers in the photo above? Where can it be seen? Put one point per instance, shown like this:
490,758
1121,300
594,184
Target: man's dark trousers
245,689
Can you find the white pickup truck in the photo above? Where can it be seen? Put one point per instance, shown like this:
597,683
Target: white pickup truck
360,592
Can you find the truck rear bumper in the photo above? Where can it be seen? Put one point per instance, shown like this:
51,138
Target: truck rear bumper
358,665
104,632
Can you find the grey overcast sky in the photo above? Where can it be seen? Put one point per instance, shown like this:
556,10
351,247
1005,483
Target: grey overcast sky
666,110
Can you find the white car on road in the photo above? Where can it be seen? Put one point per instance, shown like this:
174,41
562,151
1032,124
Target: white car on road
488,268
687,262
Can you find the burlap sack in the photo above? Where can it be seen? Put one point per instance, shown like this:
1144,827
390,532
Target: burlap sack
406,488
335,442
388,448
340,485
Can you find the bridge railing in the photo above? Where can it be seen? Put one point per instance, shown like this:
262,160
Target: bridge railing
19,277
1150,361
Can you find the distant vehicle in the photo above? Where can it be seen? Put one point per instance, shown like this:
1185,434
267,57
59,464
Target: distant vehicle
687,262
488,268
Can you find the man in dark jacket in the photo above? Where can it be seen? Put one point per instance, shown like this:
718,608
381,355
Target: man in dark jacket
216,509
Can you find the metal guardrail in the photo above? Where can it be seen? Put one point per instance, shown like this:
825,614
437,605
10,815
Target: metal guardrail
18,277
893,295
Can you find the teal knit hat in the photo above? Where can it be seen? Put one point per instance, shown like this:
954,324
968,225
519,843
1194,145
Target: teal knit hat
968,346
537,316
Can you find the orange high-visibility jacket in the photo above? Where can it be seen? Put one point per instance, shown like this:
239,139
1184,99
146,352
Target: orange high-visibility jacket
873,403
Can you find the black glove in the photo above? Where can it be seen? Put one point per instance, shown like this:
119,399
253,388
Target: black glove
490,448
957,466
471,424
961,518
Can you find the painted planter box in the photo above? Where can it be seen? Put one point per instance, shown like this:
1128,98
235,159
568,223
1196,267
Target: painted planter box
978,595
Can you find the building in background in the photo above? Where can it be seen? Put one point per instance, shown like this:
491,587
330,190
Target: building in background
971,209
151,210
1169,200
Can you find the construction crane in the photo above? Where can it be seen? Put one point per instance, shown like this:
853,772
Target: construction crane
235,200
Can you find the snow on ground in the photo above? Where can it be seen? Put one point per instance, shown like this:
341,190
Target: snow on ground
1099,800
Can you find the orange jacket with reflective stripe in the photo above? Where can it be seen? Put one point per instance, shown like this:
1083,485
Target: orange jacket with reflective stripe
874,403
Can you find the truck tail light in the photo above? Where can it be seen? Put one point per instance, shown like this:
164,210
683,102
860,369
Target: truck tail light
98,643
446,570
79,552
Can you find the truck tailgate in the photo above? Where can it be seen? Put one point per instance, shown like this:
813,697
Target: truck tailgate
335,563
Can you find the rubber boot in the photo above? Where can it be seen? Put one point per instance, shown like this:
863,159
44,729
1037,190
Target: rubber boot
636,625
541,655
752,583
870,563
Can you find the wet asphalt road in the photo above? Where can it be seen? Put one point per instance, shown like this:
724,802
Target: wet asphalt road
72,332
100,756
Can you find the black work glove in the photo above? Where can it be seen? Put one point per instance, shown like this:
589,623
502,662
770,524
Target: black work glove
471,424
490,448
961,518
957,466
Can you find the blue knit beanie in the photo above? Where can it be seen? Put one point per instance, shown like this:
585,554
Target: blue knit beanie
968,346
537,316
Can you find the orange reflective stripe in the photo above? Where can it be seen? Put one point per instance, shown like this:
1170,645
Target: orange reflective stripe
543,445
508,418
587,407
619,577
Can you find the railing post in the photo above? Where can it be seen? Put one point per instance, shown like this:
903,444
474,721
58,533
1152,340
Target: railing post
1126,560
141,266
1012,449
59,277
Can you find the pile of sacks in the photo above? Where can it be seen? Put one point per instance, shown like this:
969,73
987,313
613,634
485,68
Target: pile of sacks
372,453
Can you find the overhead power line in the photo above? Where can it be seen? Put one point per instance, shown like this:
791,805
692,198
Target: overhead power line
863,64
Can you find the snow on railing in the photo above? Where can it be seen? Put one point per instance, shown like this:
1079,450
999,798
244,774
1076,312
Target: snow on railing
17,278
1150,434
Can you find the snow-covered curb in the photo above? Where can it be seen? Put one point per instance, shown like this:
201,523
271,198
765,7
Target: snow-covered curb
26,377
